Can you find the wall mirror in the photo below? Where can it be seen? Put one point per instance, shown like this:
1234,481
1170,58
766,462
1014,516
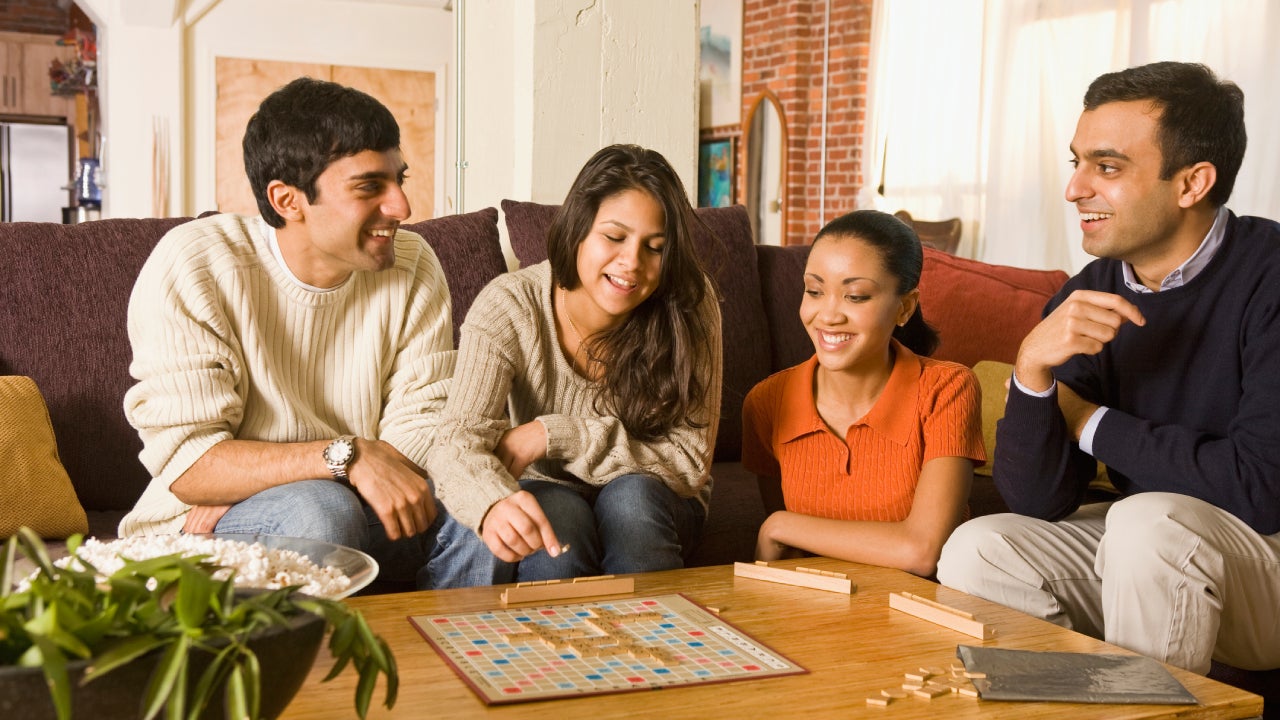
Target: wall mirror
765,140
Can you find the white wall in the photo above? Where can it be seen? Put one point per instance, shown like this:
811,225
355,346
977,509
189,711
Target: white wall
157,60
549,82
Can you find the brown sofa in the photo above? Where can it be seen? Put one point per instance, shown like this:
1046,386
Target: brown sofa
66,288
67,292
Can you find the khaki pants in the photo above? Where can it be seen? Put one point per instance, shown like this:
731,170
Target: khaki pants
1165,575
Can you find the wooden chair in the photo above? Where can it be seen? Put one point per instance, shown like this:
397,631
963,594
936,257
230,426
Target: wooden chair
941,235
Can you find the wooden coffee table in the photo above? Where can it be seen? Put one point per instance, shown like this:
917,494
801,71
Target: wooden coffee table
853,646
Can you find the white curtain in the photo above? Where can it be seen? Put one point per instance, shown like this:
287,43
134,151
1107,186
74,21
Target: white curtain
973,104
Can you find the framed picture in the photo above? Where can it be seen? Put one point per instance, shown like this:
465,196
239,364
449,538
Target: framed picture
720,71
716,172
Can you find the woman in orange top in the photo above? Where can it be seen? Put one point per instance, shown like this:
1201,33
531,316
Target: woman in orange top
865,452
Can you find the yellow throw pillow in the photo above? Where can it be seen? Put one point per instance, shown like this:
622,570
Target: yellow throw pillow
35,490
992,376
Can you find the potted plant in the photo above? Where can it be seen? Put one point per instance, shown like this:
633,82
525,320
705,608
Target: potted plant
176,639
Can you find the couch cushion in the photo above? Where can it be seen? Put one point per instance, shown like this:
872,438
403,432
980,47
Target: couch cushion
65,298
728,254
470,253
36,490
982,311
527,225
782,287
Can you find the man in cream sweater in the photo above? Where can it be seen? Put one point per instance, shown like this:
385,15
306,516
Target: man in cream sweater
291,367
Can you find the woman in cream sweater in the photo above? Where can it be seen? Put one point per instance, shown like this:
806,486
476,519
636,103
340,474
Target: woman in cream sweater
578,434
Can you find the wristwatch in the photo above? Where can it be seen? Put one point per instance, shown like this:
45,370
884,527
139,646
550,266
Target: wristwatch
339,455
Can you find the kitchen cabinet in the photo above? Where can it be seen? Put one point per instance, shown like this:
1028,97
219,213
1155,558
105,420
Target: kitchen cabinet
24,76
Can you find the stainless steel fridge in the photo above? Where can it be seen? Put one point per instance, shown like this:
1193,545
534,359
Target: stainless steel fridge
35,171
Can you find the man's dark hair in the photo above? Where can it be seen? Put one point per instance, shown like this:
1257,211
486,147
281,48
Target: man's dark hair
1201,118
303,127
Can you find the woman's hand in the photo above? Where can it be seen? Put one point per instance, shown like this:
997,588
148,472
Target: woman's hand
520,446
767,545
515,527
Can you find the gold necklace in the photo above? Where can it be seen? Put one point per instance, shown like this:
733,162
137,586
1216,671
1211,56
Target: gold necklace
582,342
564,305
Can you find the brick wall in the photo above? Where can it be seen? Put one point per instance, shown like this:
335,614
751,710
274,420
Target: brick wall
782,44
34,16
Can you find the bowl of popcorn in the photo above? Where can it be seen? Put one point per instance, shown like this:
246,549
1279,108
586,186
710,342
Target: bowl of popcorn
267,562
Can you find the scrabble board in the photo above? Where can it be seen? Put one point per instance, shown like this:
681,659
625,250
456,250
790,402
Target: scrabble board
590,648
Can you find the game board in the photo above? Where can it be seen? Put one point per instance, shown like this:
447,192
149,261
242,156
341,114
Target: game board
540,653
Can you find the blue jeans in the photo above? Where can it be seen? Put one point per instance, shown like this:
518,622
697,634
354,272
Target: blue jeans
633,524
325,510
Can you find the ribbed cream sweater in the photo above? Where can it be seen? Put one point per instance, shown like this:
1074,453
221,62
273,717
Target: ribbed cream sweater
227,345
510,359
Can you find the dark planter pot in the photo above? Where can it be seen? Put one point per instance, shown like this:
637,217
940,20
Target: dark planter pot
285,656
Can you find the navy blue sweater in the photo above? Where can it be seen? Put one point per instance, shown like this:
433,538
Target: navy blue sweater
1194,395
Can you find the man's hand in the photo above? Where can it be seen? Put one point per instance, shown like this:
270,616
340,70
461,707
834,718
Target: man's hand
520,446
204,518
1085,322
1075,410
394,487
516,527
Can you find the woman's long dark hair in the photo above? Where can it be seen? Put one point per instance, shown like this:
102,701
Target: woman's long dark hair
651,361
900,250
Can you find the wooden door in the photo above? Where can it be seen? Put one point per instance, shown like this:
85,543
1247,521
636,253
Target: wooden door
411,97
242,84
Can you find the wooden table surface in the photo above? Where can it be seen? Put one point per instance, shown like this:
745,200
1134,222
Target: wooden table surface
853,646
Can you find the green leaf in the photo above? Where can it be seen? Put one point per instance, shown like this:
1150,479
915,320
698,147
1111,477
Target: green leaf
121,653
364,690
165,677
6,569
54,665
393,676
237,705
195,593
252,682
212,678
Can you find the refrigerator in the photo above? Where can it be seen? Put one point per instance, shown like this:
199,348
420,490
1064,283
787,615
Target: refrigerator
35,171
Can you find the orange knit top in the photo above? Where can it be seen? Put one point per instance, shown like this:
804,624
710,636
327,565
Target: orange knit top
929,408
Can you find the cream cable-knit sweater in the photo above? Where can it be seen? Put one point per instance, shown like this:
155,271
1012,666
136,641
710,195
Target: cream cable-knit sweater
510,359
226,345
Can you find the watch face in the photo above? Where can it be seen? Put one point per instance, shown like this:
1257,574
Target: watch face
339,451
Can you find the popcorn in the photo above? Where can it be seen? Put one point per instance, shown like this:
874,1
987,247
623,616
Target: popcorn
255,565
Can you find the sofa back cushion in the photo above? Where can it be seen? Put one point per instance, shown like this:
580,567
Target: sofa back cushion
782,283
470,252
728,253
64,325
65,298
982,311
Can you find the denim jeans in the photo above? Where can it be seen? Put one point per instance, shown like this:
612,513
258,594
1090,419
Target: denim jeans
325,510
633,524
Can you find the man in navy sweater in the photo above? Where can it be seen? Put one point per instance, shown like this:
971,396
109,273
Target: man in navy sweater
1161,360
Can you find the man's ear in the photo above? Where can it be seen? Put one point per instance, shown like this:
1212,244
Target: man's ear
1195,182
287,200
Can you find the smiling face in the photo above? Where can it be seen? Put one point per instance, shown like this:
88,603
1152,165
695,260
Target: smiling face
1126,211
619,262
851,305
351,224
